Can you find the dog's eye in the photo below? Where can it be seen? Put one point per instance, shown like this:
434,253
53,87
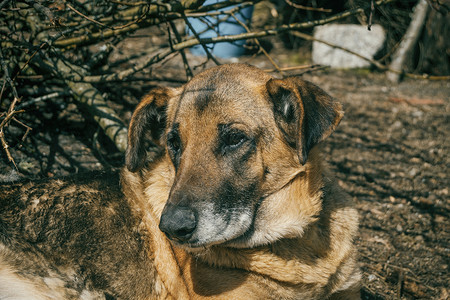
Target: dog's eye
232,139
174,146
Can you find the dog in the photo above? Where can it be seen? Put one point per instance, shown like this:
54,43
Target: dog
224,196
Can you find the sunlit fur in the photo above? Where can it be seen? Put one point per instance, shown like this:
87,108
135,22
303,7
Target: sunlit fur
272,222
301,242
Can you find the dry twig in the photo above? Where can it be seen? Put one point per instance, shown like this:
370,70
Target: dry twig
307,7
68,47
9,115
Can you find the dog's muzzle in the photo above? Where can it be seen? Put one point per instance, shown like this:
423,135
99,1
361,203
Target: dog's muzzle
178,223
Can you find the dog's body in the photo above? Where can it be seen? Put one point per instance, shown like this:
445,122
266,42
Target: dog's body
224,196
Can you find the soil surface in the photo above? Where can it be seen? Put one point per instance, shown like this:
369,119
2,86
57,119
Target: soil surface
390,153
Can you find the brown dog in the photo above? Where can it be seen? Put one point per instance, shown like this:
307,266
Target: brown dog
224,196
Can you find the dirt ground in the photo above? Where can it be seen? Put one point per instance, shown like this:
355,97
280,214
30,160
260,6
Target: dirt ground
390,153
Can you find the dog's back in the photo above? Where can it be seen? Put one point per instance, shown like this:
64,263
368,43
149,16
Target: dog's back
256,215
60,239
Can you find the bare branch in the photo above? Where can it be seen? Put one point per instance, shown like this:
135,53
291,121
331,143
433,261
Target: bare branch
187,67
94,37
307,7
197,36
8,116
41,98
259,44
43,10
372,9
286,69
45,43
162,54
111,27
408,41
88,95
7,77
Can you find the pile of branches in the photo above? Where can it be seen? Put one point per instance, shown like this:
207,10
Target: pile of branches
55,49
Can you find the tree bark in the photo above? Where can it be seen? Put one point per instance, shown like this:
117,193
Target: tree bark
88,96
409,40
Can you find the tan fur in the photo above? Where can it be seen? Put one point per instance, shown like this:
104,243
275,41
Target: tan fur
312,254
233,146
287,269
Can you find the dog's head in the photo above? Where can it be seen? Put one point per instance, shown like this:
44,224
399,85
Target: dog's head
230,137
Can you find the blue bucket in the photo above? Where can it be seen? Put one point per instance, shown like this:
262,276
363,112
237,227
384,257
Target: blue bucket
213,26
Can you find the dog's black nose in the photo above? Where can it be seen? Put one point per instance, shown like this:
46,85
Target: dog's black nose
178,223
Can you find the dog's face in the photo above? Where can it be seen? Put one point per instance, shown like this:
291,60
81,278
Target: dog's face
232,137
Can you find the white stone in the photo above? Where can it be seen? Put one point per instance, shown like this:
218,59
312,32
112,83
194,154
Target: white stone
356,38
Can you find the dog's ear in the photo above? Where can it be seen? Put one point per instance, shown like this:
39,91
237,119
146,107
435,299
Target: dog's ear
304,113
146,128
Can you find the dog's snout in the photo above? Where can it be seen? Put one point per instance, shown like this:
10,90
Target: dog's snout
178,223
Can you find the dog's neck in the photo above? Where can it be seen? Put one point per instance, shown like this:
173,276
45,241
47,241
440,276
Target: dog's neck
160,249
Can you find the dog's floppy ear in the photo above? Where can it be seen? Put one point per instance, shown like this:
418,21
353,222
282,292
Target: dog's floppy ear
304,113
146,127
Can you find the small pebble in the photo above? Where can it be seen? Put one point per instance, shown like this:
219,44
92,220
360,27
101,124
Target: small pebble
413,172
397,124
419,238
417,114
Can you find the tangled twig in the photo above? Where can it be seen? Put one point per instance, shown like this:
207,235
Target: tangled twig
67,51
5,118
9,115
307,7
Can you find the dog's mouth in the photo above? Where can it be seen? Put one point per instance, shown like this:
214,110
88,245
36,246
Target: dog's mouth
197,231
209,227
